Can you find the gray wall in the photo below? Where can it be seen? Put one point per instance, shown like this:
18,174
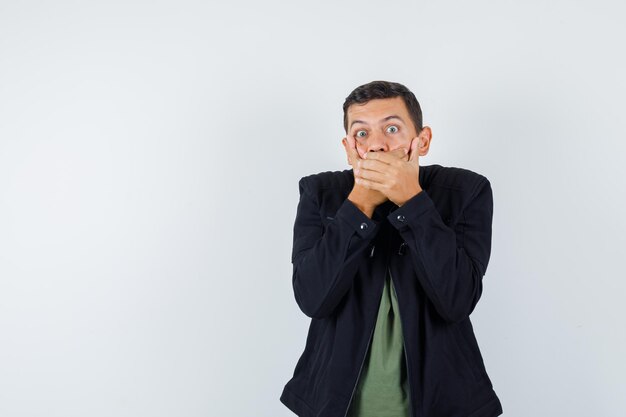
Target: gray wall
149,159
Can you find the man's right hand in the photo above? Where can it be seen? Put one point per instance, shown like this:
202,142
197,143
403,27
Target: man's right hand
364,198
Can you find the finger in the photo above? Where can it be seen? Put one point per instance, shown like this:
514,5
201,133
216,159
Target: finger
354,153
350,151
374,165
400,153
386,157
414,152
372,185
371,174
405,154
344,143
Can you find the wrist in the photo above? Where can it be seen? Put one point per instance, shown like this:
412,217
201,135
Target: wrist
367,209
410,197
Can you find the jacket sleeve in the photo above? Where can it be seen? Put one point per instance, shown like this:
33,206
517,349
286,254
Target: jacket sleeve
449,267
326,257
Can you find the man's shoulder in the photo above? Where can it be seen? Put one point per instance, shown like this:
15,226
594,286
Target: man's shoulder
326,180
454,178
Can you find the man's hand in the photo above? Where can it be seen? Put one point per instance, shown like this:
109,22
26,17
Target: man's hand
397,179
366,199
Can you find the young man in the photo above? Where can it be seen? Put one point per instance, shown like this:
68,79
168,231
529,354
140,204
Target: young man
388,259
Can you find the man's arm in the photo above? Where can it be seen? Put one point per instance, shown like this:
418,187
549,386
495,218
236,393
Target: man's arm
449,268
326,261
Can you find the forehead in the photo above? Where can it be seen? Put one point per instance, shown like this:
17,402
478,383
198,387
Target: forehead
377,109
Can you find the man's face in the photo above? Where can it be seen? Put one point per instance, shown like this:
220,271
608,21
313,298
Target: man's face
380,125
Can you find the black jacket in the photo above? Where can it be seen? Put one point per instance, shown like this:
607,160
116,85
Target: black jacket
437,246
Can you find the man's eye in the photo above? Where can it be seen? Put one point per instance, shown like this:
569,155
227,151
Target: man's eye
361,133
392,129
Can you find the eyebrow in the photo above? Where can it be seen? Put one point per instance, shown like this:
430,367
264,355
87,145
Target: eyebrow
393,116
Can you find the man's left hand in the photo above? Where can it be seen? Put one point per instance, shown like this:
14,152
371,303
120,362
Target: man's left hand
397,178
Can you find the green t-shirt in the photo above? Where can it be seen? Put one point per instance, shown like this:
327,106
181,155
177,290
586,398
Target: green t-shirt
382,389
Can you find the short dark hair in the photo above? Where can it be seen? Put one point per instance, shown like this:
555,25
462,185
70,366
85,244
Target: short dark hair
384,89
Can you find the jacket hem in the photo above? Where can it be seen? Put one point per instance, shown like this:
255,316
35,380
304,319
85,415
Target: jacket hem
296,404
491,409
301,408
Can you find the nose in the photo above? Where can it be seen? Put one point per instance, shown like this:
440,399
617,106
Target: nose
377,144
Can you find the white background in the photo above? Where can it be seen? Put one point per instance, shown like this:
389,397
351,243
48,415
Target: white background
149,160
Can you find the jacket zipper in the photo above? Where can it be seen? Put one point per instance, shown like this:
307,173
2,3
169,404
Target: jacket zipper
364,356
406,358
360,369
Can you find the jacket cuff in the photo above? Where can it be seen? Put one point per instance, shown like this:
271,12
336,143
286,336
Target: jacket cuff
362,225
411,210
